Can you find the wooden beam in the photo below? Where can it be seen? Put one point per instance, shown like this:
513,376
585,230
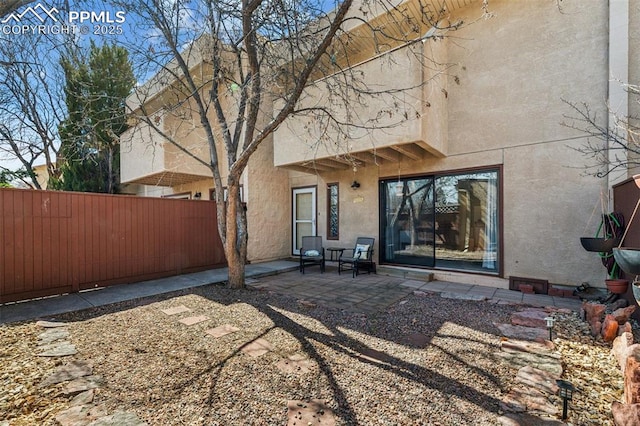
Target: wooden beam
330,162
387,154
368,158
409,150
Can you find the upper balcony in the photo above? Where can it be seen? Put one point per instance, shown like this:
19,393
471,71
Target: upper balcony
405,120
146,159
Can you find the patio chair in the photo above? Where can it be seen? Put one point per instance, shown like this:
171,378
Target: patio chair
311,253
361,257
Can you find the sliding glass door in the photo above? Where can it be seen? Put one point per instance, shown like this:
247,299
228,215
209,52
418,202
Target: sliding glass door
449,221
407,216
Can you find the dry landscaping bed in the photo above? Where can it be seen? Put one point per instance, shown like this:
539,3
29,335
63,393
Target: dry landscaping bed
254,358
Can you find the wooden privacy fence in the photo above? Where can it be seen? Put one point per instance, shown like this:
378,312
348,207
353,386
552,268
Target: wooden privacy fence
61,242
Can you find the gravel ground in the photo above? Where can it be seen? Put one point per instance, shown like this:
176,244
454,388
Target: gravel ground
368,369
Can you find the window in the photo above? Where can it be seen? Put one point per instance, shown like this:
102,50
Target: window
446,221
333,215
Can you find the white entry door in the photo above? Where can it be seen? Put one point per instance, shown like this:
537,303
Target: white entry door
304,215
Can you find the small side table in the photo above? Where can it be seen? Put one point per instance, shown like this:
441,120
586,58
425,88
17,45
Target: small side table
334,250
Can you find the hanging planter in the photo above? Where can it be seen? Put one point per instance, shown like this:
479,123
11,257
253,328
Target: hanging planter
599,244
628,258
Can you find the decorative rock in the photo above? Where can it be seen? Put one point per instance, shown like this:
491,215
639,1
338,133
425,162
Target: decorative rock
625,328
50,324
420,293
70,371
609,328
622,315
593,311
625,414
632,376
596,328
620,349
620,303
81,415
314,412
540,380
530,318
82,384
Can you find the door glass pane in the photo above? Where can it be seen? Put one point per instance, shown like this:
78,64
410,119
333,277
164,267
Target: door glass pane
304,206
467,221
408,219
303,229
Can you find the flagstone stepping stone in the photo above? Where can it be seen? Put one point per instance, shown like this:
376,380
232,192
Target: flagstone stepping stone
60,348
83,384
523,333
521,399
119,418
257,348
194,320
530,318
524,419
463,296
309,413
50,335
417,340
50,324
295,364
527,346
551,362
175,310
540,380
223,330
70,371
83,398
81,415
375,356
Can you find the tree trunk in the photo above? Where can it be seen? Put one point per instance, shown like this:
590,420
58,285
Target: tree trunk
235,244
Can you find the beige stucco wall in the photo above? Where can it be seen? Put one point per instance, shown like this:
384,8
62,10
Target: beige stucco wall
503,107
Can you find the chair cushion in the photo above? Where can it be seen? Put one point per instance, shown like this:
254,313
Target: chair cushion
312,253
361,252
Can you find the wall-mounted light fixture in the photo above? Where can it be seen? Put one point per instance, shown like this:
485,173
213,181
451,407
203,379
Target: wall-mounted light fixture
355,184
197,195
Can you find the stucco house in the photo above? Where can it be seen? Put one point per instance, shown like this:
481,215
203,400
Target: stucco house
480,184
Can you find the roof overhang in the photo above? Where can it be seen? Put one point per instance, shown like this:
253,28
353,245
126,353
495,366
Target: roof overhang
392,154
167,178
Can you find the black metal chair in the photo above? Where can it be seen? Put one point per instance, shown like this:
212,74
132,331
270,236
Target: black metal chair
312,253
361,257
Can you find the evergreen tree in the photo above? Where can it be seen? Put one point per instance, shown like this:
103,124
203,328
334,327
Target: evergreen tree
96,89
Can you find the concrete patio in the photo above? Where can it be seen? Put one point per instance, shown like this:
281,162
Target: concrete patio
364,293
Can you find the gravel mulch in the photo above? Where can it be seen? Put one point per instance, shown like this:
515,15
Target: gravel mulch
426,360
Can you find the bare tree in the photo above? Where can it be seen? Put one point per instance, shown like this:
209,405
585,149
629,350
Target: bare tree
613,143
9,6
237,70
31,104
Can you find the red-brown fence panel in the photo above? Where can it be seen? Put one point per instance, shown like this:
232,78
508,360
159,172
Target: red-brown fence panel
59,242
